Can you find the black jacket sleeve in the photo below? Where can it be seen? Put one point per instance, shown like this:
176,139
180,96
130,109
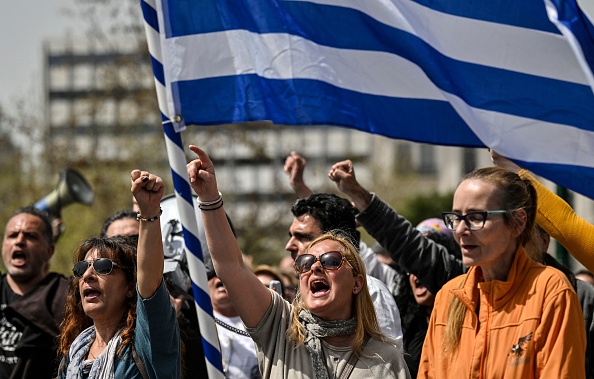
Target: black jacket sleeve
418,255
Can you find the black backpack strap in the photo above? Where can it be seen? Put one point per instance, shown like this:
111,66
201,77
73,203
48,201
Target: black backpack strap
139,364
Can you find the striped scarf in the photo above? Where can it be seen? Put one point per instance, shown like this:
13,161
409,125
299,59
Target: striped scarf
100,368
317,328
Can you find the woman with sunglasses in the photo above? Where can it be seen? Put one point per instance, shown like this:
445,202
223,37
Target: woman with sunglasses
329,331
119,321
508,316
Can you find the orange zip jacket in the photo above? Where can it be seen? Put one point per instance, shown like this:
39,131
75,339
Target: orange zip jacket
530,326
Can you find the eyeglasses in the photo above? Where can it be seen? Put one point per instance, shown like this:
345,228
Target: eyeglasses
102,266
331,260
473,220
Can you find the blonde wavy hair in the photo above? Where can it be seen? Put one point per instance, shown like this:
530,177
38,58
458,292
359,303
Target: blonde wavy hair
363,308
514,193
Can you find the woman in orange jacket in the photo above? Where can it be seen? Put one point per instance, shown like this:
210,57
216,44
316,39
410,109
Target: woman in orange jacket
508,316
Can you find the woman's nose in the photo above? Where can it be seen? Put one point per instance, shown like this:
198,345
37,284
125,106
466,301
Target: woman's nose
317,266
89,272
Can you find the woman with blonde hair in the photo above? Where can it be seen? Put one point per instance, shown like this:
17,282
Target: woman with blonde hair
329,331
508,316
366,324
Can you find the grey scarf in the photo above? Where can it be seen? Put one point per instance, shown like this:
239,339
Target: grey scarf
317,328
100,368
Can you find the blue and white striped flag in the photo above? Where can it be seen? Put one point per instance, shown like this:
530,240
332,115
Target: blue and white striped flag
512,75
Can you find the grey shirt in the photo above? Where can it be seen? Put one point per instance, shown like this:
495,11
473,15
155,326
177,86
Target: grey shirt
281,358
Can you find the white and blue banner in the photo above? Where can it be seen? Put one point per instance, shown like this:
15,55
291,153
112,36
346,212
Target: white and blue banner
512,75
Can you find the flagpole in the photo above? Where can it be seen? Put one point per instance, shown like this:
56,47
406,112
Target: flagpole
183,195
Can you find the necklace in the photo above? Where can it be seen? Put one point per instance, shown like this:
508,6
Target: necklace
231,328
92,356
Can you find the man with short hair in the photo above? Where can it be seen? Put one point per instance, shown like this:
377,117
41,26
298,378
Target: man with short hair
121,223
31,299
321,213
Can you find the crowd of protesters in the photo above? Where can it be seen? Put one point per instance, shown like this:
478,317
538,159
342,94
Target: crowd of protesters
470,294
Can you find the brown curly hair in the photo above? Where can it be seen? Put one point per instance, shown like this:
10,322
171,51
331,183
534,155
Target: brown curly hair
121,250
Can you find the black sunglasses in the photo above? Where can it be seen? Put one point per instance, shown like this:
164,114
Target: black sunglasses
102,266
331,260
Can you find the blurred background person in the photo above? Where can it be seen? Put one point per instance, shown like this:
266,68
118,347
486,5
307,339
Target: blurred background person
121,223
237,347
32,299
586,276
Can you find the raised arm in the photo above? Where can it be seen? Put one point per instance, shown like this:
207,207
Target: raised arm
557,217
429,261
294,167
148,190
250,298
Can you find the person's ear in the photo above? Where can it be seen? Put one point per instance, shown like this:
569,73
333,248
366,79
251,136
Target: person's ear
358,285
521,217
51,249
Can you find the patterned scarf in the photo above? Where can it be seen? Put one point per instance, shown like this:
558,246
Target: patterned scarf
100,368
317,328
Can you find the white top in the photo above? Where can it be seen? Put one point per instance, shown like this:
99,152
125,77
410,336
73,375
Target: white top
238,352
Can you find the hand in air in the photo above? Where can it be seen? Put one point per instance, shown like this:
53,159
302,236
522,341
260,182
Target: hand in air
202,176
147,190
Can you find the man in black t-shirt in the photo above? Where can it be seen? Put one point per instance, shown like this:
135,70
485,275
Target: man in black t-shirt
31,299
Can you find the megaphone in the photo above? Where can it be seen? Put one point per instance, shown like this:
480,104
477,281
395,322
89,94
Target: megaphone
72,188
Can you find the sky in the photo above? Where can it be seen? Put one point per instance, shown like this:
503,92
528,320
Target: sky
24,25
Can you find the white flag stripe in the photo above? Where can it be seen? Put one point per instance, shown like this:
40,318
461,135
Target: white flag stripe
476,41
510,135
289,57
178,165
154,46
161,97
210,334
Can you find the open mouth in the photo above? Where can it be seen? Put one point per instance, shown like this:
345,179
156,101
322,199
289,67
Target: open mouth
319,286
19,257
419,289
91,293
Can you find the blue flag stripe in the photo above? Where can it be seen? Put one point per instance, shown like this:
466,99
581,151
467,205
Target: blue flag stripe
399,118
495,84
353,29
150,15
209,99
577,178
211,353
276,16
491,11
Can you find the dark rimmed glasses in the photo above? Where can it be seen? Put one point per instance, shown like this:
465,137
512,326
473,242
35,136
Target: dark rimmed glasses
473,220
102,266
331,260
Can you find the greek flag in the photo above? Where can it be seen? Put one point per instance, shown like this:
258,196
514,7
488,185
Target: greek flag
512,75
